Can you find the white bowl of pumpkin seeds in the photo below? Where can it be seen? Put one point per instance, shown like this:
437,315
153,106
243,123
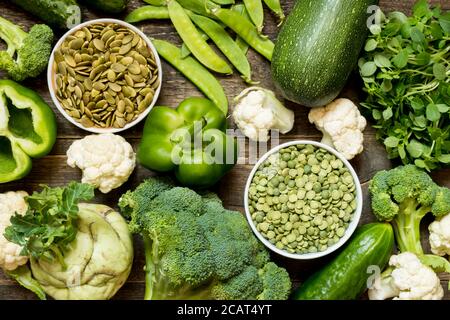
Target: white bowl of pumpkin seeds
104,76
303,200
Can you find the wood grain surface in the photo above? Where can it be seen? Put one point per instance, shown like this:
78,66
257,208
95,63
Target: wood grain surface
53,170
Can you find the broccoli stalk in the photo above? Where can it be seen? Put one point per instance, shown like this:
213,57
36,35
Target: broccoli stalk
404,196
27,54
196,249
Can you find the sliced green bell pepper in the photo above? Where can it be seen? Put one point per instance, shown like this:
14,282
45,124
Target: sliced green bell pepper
27,130
190,141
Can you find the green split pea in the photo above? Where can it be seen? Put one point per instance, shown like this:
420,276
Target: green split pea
302,199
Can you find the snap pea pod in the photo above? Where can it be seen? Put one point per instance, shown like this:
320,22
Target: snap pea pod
225,43
199,6
223,2
194,41
239,41
195,72
256,12
147,13
185,52
275,7
158,3
246,30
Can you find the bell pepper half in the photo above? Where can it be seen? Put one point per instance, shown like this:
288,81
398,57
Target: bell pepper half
189,141
27,130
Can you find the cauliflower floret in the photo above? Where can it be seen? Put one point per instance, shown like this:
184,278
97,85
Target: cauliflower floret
10,203
440,236
407,279
342,125
107,160
258,111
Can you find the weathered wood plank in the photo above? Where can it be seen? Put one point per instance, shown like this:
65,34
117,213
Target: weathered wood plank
52,170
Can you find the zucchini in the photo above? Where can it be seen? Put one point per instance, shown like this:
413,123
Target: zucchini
345,278
57,13
109,6
318,47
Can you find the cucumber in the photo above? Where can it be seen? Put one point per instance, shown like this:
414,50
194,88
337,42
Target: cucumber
345,278
109,6
57,13
318,47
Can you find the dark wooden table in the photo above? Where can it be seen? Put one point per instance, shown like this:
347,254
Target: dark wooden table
53,170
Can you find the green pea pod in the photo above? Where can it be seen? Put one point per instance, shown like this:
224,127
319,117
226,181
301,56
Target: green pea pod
225,43
223,2
275,7
147,13
239,41
157,3
256,12
185,52
194,41
195,72
198,6
246,30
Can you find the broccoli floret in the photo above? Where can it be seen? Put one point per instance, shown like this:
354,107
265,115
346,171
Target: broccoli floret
403,196
276,283
196,249
27,54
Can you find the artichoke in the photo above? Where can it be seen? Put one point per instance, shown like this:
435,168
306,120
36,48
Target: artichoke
98,262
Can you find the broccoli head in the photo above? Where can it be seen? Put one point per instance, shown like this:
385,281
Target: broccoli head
403,196
27,54
196,249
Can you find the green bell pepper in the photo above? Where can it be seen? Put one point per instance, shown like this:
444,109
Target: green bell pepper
27,130
190,141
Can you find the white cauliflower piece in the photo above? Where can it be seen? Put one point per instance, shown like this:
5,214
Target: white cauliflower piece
407,279
107,160
10,203
258,111
342,126
440,236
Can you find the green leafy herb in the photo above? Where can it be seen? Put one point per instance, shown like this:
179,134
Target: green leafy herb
50,223
406,73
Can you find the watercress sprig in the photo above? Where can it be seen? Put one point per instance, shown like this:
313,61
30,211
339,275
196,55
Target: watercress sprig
406,73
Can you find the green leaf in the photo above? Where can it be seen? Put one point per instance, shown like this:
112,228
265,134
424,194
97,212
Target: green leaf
417,36
415,148
376,114
421,8
417,104
423,58
444,158
437,263
387,114
432,112
401,59
368,69
381,61
436,30
50,224
371,45
444,21
402,152
23,276
443,108
421,164
439,71
386,85
391,142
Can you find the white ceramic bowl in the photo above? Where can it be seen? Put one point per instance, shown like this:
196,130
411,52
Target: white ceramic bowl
351,227
51,76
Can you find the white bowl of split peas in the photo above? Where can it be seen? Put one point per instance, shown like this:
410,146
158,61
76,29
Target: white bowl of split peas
303,200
